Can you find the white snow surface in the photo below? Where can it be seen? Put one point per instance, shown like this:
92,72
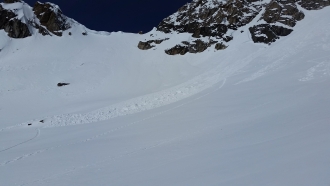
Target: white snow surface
252,114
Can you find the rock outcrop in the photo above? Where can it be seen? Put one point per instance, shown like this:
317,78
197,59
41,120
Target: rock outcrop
265,33
150,44
217,20
283,12
314,4
45,18
196,46
51,17
210,18
13,26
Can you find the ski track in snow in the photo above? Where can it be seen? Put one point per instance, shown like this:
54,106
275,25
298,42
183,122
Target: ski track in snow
34,137
104,133
143,103
320,70
281,62
148,102
115,158
111,159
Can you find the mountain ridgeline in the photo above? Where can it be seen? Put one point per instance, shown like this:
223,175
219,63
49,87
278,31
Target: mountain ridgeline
214,22
20,20
209,23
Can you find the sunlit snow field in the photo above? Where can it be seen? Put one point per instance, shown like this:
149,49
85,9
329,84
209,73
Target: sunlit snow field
252,114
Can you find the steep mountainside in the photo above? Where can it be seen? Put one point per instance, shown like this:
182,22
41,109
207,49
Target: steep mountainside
20,20
94,109
213,23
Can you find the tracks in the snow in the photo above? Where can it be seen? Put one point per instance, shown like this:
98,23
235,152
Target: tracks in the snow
24,156
111,159
8,148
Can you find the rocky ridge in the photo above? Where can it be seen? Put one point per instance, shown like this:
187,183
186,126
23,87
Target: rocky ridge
211,23
20,20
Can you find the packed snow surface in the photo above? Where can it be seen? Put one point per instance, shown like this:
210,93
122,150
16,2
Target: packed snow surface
252,114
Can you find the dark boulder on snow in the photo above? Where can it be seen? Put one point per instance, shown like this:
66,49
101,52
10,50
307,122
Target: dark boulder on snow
220,46
196,46
150,44
13,26
145,45
178,49
62,84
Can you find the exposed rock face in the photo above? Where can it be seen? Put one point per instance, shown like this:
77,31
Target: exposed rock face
196,46
285,12
149,44
46,18
51,17
178,49
145,45
216,20
266,33
314,4
14,27
210,18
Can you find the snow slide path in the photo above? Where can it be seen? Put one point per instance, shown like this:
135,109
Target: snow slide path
132,152
24,156
198,84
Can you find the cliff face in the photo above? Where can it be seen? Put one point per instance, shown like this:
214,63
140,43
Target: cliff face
20,20
51,18
211,23
12,25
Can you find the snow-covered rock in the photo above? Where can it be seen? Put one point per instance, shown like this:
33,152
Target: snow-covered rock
212,23
20,20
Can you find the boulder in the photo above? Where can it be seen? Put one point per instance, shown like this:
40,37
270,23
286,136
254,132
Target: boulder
178,49
145,45
62,84
196,46
220,46
148,44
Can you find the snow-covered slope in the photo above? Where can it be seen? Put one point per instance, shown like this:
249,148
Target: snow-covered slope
253,114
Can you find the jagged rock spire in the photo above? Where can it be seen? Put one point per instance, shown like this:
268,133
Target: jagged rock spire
45,18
